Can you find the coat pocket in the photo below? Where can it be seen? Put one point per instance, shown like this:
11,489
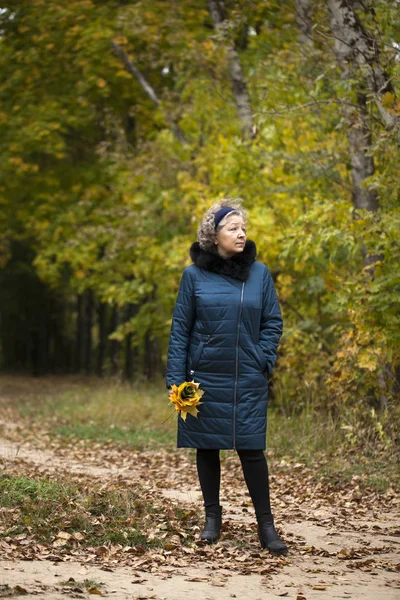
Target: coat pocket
261,357
197,355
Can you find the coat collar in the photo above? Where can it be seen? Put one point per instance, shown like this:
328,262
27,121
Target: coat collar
237,266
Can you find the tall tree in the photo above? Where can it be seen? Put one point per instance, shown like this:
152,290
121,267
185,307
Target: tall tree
239,87
357,45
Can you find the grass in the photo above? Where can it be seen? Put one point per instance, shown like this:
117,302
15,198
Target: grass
135,415
44,508
338,451
139,439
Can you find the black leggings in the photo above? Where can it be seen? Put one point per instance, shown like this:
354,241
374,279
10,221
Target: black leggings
255,471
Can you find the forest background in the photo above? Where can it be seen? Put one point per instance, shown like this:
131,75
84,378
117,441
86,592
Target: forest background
121,121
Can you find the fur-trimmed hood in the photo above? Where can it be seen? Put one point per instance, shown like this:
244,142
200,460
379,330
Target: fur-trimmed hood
237,266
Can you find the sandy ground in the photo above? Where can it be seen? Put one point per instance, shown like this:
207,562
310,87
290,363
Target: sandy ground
303,576
295,582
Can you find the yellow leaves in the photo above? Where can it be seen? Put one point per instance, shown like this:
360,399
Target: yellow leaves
299,266
208,45
100,82
186,397
368,358
391,103
124,74
39,38
76,29
22,166
94,590
42,225
16,161
388,99
121,40
285,285
330,280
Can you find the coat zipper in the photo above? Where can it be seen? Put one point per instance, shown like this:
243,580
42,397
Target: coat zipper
237,367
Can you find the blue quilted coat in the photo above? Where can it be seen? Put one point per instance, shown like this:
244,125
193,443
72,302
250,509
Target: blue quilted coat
225,332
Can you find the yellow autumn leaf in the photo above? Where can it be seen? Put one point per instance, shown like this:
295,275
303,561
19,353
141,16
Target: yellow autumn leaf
186,398
367,359
94,590
388,99
122,73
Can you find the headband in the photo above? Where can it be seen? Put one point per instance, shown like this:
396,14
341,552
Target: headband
220,214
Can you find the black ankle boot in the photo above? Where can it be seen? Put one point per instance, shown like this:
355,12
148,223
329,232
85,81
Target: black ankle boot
212,528
269,537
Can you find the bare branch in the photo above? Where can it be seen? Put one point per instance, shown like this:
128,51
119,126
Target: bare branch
314,103
133,70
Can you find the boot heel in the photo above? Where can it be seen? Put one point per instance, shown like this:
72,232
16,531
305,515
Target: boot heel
262,542
269,537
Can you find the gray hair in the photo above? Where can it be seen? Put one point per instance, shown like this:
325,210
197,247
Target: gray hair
206,230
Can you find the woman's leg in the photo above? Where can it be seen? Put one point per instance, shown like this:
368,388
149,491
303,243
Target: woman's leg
255,471
209,471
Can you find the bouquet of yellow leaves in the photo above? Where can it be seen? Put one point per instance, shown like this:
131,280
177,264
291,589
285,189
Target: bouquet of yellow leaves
186,397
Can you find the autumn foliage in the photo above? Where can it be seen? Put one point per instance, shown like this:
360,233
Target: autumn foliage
104,183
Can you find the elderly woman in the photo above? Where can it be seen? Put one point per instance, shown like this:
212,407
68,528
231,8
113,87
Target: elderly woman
225,333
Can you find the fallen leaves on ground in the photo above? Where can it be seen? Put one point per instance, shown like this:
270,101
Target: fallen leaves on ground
170,526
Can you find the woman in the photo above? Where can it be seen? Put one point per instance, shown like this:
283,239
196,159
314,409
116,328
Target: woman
225,333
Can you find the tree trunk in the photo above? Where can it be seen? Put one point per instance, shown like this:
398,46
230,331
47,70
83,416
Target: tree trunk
303,20
114,344
356,46
356,117
44,344
362,161
239,87
357,54
102,346
89,304
80,337
152,366
130,353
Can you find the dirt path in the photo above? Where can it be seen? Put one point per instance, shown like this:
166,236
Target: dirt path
343,543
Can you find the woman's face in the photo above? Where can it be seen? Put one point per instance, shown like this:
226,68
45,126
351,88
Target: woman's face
231,238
